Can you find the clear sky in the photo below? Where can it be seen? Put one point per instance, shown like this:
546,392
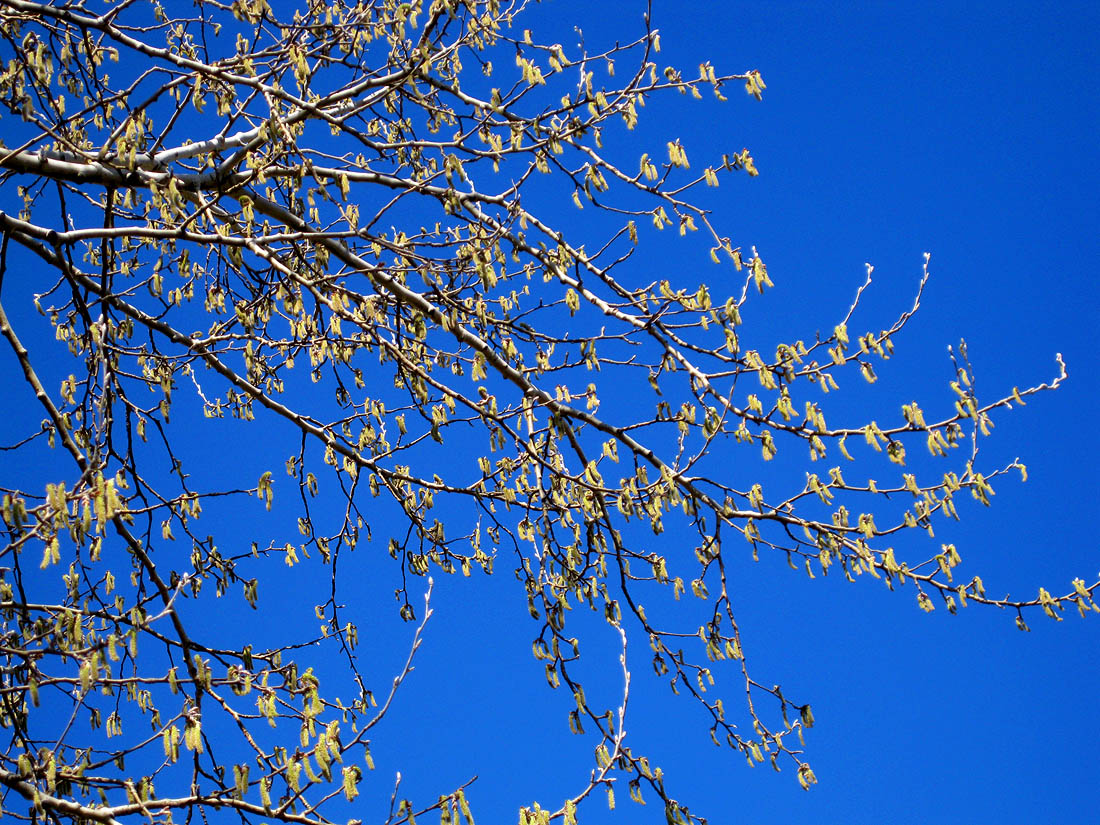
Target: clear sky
887,130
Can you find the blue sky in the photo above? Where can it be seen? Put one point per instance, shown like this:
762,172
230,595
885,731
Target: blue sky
886,131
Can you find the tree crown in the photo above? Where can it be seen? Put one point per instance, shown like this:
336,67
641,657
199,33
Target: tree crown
344,225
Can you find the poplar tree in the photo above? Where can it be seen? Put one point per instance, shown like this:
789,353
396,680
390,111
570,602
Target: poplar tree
354,228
